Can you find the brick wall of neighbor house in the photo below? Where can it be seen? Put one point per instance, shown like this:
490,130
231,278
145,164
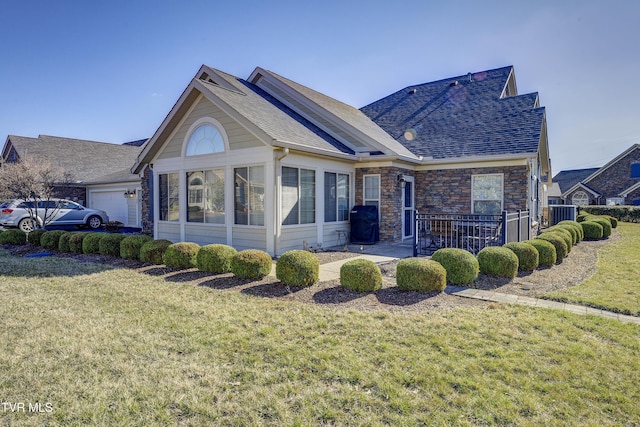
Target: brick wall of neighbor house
449,190
616,178
391,199
147,200
77,194
569,199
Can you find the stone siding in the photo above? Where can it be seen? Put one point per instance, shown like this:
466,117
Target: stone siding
146,212
615,179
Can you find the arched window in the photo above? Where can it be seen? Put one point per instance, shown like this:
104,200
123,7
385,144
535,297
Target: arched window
205,139
580,198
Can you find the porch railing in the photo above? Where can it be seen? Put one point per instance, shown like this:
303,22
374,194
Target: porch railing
468,232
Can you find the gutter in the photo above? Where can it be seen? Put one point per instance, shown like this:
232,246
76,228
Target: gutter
277,191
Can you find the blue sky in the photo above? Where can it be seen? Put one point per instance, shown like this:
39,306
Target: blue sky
111,71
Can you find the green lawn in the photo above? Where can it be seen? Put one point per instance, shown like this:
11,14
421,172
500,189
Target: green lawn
616,284
115,347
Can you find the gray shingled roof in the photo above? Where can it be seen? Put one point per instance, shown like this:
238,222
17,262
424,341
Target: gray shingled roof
569,178
88,161
461,116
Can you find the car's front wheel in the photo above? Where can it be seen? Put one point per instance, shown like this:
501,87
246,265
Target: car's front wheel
27,225
94,222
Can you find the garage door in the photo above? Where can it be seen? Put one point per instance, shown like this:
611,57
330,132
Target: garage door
112,202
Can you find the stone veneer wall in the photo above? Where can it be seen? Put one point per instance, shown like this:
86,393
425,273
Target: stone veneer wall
615,179
147,200
77,194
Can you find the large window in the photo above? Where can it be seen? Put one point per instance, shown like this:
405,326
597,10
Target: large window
168,197
336,197
205,195
372,190
486,194
205,139
298,196
580,198
249,195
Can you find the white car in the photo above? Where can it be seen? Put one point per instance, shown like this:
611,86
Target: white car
21,214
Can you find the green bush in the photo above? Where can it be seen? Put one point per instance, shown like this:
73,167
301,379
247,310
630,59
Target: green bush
13,237
153,251
35,236
181,255
592,230
461,266
51,239
528,257
361,275
613,220
571,230
583,217
63,242
421,275
91,243
298,268
620,213
605,223
130,246
215,258
498,261
559,242
576,226
566,236
75,242
251,264
110,244
546,252
568,231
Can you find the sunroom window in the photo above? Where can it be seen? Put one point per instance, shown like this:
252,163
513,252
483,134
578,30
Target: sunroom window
249,195
298,196
205,190
205,139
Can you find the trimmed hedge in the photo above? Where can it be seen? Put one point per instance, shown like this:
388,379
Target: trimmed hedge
35,236
63,242
251,264
576,226
546,252
75,242
298,268
110,244
215,258
498,261
566,236
153,251
91,243
592,230
130,246
51,239
560,243
605,223
181,255
621,213
361,275
461,266
421,275
528,257
13,237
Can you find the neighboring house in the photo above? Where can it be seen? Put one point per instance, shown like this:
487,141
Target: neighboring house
100,171
616,183
270,164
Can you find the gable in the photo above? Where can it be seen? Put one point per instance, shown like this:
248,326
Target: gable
616,176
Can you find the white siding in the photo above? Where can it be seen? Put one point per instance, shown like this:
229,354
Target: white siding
330,235
205,234
169,231
293,237
249,238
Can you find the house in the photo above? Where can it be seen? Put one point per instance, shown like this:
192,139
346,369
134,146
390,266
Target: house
616,183
268,163
100,171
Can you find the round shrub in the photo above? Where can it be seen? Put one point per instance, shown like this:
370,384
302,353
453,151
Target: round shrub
181,255
298,268
51,239
592,230
613,220
566,236
13,237
251,264
559,242
130,246
583,217
605,223
571,230
461,266
528,257
91,243
546,252
35,236
63,242
361,275
215,258
75,242
153,251
110,244
498,261
421,275
576,226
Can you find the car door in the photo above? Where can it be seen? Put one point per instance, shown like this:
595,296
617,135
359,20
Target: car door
69,213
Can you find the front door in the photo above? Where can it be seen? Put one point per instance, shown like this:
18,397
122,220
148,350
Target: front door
407,208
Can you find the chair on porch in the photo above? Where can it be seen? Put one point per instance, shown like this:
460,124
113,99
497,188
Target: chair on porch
483,235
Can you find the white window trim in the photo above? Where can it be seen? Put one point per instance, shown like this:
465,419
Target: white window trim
233,195
315,197
349,201
205,224
202,121
487,174
156,182
364,193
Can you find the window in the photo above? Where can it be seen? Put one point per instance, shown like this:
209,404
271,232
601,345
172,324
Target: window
580,198
205,195
249,195
635,170
486,194
168,198
372,190
336,197
298,196
205,139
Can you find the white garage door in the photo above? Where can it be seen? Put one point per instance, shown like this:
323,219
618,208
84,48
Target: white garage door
113,203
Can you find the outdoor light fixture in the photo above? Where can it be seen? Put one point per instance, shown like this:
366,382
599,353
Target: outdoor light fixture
130,194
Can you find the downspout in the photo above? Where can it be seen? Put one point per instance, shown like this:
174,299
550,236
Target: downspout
277,173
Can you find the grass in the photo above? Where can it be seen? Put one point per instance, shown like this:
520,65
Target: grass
114,347
616,284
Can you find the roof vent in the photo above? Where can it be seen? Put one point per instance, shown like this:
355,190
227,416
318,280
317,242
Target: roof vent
456,83
470,77
412,91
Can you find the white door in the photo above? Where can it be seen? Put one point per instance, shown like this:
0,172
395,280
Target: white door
113,203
